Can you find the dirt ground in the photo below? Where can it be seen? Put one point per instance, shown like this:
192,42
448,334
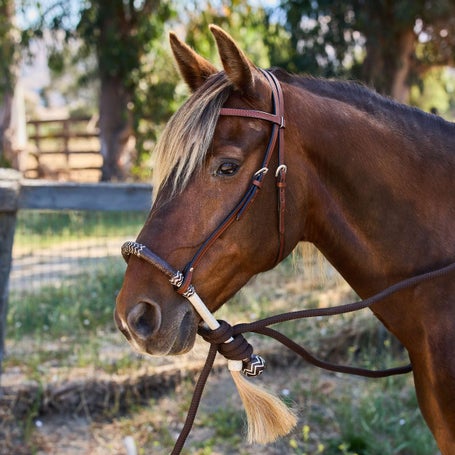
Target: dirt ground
77,436
61,428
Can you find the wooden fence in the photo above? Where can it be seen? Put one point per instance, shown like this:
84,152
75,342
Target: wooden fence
63,148
18,194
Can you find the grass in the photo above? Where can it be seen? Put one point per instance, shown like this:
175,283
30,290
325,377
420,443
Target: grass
80,306
367,417
70,326
51,227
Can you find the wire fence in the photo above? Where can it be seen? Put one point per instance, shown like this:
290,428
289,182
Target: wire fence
53,248
67,268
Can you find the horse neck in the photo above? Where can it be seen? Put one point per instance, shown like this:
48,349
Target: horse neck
377,202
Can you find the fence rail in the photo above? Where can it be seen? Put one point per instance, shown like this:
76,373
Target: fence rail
35,194
18,194
63,138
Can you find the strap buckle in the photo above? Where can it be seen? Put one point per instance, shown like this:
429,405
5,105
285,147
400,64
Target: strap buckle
281,168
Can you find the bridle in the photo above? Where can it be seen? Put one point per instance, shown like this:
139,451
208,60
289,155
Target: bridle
276,141
237,350
182,280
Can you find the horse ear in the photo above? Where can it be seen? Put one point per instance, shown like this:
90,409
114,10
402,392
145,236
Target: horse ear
193,68
237,66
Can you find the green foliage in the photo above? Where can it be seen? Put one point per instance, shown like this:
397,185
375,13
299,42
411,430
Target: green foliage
369,40
323,35
8,48
245,22
435,92
121,33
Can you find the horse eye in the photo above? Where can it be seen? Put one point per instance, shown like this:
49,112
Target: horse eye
227,169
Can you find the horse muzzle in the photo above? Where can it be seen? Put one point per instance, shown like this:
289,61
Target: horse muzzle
152,332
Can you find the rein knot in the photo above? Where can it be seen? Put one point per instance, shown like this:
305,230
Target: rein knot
233,347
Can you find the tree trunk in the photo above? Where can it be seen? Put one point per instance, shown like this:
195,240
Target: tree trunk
6,102
116,129
400,84
388,64
390,45
8,72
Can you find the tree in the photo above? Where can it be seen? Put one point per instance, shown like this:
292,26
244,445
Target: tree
376,41
119,31
8,74
245,22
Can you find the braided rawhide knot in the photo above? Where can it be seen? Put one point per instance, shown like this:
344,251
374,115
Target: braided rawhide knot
234,347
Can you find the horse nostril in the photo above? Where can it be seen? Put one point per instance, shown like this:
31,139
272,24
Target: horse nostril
144,319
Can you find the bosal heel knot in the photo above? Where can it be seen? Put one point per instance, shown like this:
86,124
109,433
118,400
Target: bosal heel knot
268,417
234,348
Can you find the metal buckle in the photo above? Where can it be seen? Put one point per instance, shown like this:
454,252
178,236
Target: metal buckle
261,171
281,167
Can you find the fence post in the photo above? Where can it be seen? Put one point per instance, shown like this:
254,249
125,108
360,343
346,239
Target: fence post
9,196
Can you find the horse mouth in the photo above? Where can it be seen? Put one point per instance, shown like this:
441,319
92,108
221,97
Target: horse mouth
185,337
175,340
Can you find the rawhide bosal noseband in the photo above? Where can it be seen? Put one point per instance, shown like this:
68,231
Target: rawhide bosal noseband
227,339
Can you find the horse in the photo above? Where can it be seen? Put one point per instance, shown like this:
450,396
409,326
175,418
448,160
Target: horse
366,180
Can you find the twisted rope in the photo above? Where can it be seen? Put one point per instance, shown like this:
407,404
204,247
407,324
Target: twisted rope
230,342
242,349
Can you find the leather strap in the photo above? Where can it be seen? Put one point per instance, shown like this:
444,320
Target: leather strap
251,113
276,138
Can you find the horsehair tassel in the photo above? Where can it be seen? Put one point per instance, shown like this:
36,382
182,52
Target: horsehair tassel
268,417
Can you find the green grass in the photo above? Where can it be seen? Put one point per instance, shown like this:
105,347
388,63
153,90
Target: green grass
50,227
78,306
366,417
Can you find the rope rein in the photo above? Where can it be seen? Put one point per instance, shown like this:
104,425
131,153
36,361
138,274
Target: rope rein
230,342
262,327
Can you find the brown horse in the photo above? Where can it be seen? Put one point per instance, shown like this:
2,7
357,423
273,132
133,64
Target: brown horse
371,183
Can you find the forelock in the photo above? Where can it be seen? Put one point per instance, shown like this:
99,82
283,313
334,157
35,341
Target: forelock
186,139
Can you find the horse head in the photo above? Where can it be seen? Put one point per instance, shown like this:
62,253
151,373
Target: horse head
209,169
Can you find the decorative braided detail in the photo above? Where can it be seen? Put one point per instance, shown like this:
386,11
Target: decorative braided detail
236,349
254,367
129,248
177,279
189,292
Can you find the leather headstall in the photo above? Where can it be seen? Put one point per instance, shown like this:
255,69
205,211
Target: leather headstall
276,141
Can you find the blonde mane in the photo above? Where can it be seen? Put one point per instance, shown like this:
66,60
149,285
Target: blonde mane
187,137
